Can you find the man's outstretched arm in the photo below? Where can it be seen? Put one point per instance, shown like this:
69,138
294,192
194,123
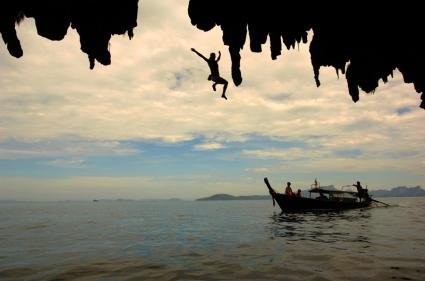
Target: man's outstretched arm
219,56
199,54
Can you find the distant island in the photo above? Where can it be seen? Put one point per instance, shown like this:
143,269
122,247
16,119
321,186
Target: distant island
400,191
231,197
175,199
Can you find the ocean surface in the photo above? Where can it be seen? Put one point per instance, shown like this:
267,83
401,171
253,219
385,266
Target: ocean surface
213,240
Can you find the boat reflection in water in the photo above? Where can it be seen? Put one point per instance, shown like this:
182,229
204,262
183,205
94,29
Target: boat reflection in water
325,227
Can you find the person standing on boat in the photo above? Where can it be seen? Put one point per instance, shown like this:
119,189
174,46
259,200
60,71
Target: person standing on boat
288,189
362,192
359,189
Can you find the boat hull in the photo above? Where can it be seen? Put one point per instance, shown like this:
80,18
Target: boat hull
295,203
292,203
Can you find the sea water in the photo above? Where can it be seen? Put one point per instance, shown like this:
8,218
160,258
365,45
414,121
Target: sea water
209,240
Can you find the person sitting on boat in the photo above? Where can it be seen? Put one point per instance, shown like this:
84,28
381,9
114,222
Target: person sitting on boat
288,189
299,193
321,196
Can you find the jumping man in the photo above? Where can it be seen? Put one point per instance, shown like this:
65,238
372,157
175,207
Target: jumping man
215,75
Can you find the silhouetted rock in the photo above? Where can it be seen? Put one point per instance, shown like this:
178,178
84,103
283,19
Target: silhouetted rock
364,42
95,22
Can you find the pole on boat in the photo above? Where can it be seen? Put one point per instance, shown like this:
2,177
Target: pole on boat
387,205
271,190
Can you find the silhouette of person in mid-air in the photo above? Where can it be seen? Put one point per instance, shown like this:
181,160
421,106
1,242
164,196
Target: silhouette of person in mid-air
215,75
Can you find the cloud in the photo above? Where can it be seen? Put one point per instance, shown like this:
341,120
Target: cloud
70,147
348,153
209,146
403,110
362,158
66,163
289,154
258,170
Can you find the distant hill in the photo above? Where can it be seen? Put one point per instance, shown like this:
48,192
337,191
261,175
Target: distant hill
400,191
231,197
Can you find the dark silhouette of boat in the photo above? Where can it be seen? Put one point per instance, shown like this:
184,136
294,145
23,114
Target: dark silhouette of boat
327,200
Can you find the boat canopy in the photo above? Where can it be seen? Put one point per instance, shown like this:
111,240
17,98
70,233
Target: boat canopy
327,191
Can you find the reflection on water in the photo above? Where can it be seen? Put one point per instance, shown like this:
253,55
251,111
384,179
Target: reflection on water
325,227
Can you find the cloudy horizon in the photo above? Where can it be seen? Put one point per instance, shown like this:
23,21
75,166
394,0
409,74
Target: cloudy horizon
150,126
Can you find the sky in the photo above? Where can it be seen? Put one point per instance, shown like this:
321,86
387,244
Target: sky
149,126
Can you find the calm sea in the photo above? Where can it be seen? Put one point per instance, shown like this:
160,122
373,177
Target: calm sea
215,240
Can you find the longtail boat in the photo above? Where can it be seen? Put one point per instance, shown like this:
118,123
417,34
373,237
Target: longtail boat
326,199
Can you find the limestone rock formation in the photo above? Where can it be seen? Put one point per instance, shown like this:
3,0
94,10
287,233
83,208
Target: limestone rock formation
95,21
363,42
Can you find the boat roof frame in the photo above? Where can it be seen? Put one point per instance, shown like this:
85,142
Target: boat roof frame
327,191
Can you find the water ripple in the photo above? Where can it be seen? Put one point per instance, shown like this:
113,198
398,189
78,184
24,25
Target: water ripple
183,240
